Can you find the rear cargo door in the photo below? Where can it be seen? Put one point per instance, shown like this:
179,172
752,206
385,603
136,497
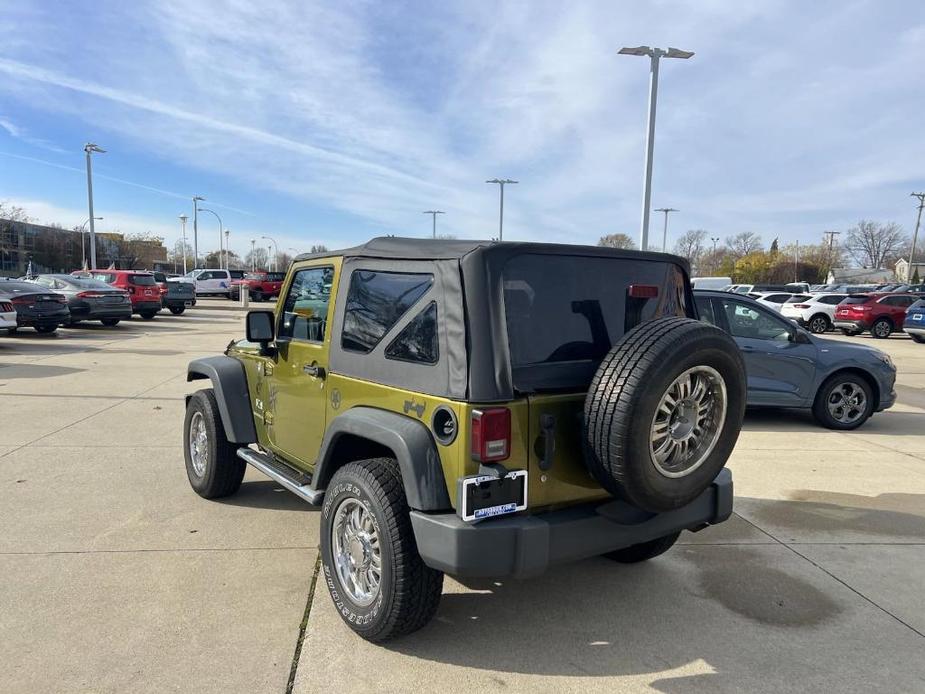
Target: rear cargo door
558,474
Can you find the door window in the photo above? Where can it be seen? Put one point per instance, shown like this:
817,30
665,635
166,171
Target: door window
305,313
751,322
375,303
705,309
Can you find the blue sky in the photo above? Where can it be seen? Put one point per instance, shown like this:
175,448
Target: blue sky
330,122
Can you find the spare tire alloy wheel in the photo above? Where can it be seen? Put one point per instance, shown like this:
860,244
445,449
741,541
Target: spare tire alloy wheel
688,421
664,411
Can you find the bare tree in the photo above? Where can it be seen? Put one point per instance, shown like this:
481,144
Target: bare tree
258,257
690,245
318,248
616,241
871,244
744,243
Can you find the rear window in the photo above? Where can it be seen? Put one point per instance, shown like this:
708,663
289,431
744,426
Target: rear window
108,277
21,288
253,275
276,276
375,303
572,308
142,280
861,299
797,298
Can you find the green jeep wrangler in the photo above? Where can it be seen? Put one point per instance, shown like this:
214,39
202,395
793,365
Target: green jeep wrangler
474,408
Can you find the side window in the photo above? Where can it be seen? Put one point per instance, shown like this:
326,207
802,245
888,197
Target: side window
752,322
417,342
204,276
375,302
831,300
44,281
705,309
305,313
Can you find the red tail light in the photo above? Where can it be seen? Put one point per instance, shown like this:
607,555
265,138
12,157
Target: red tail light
491,434
92,295
23,299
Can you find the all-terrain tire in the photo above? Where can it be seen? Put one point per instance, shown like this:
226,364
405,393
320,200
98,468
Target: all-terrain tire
409,591
644,550
223,470
627,392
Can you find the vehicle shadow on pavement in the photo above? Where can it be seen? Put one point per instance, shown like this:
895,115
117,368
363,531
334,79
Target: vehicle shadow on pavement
266,494
783,421
19,371
731,611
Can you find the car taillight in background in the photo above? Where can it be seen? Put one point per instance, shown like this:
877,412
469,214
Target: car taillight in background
92,295
800,305
491,434
5,307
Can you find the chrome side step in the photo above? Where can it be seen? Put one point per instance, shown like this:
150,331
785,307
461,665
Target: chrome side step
293,480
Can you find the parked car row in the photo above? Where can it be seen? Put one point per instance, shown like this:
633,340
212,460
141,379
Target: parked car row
48,301
260,285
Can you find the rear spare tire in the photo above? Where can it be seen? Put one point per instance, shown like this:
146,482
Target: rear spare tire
664,411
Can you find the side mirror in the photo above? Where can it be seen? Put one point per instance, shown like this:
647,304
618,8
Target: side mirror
259,327
801,337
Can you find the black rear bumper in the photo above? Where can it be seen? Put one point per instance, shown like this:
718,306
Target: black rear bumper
527,545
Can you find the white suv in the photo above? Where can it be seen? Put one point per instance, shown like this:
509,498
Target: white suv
815,312
7,313
211,281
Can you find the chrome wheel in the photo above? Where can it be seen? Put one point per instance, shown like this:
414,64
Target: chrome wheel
198,444
688,421
847,402
356,550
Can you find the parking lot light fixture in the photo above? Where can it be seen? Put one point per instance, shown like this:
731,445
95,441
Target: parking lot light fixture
666,210
227,250
654,55
196,199
267,238
501,183
220,234
89,149
183,219
83,247
434,213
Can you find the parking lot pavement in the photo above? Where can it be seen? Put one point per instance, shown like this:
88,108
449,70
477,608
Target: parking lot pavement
117,577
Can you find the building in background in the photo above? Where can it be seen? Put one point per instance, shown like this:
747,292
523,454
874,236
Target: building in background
53,249
859,275
904,274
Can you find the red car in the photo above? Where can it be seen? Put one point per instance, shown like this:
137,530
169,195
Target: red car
261,285
882,314
141,287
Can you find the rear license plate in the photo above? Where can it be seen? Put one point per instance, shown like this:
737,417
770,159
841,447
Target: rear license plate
148,292
918,316
486,496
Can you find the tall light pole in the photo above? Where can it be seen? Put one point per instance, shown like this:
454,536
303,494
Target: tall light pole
830,256
654,55
83,248
715,240
666,210
196,199
501,182
268,252
183,219
227,250
915,235
253,255
434,213
220,234
89,148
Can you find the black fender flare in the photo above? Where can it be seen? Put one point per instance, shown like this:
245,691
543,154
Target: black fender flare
412,443
229,381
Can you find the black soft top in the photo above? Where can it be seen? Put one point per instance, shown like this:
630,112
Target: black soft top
403,248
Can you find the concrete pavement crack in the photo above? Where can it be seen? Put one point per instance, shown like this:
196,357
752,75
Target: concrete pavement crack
297,655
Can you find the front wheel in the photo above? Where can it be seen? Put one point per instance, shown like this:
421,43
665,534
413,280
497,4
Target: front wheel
212,465
881,329
644,550
819,324
177,310
844,402
377,580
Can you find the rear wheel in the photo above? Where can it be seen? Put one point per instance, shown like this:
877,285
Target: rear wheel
845,401
46,329
664,411
148,315
819,323
377,580
177,310
212,465
882,328
109,322
644,550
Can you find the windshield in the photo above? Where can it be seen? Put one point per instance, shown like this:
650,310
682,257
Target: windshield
561,310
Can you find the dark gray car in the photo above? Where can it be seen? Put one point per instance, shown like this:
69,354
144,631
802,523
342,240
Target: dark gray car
90,299
843,383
